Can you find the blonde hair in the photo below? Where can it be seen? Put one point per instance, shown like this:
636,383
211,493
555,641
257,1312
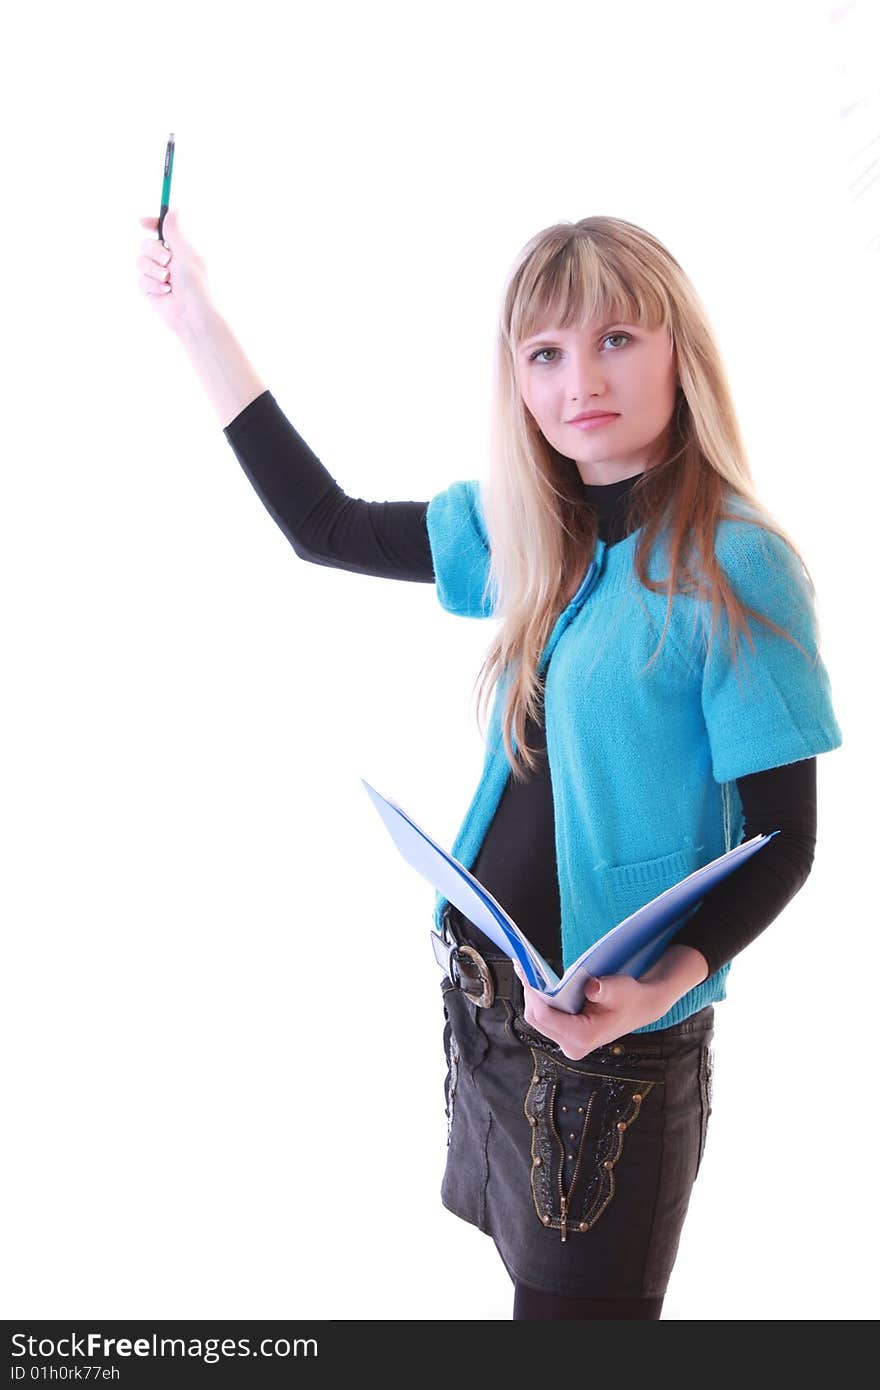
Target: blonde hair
541,534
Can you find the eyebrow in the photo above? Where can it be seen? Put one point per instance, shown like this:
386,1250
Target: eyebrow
538,336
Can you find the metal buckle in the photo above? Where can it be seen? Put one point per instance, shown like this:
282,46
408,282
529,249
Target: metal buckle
487,984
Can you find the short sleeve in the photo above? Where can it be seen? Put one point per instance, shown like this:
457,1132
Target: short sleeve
773,706
460,550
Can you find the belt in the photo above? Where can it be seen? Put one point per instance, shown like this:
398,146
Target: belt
482,981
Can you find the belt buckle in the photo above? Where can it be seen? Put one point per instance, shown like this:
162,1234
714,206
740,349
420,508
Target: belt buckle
487,984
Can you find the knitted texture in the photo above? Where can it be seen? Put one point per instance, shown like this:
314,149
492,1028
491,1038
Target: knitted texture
644,761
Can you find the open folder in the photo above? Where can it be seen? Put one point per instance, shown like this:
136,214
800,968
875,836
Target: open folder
630,948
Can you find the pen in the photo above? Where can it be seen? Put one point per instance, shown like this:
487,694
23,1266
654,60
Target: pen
166,181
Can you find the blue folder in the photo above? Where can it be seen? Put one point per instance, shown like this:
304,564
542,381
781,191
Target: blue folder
630,948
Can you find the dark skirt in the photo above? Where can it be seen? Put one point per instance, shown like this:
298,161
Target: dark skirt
580,1171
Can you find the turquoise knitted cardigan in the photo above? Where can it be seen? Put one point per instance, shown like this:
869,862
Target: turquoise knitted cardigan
643,764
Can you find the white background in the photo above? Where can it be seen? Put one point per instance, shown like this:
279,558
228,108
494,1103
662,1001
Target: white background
222,1061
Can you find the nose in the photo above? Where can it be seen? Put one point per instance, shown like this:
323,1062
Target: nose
585,377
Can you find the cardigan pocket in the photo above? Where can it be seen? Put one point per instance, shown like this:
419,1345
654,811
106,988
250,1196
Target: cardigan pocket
630,886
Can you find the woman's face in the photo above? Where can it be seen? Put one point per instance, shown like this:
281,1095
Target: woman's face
616,367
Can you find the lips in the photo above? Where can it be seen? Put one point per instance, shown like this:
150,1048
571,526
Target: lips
593,422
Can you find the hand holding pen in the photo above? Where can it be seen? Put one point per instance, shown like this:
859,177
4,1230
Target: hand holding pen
172,275
171,272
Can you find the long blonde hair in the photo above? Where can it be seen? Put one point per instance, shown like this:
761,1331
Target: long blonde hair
541,535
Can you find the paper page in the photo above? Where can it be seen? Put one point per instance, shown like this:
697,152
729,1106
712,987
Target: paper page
458,885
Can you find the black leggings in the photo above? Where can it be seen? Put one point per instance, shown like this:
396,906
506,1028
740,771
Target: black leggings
531,1303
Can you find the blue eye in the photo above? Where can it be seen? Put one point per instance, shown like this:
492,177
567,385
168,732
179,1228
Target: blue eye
540,351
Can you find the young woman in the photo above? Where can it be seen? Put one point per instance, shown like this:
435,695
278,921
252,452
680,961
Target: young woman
658,697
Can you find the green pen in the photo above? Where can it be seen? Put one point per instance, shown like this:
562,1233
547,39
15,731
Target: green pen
166,181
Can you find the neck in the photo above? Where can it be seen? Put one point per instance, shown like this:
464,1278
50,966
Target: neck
609,479
610,502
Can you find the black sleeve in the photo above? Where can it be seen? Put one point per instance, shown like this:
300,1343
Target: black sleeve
738,909
322,523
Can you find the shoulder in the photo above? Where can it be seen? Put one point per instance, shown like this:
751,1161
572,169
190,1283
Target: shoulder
460,548
457,506
759,562
768,577
771,705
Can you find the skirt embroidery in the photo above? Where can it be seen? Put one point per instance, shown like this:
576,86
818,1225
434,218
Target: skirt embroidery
579,1121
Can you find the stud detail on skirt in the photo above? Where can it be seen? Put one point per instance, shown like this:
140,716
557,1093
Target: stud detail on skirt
569,1192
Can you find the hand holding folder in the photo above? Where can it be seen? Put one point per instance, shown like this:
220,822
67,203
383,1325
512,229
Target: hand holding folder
630,948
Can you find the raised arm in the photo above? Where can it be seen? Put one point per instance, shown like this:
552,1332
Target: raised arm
322,523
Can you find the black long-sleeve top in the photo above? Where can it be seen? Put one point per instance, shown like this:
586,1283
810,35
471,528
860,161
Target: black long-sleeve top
517,860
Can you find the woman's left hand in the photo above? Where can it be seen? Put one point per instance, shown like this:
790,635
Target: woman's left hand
615,1004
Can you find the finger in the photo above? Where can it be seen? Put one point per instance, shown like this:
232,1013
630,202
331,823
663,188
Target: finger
156,251
548,1021
149,266
151,286
153,224
152,246
541,1008
593,990
586,1040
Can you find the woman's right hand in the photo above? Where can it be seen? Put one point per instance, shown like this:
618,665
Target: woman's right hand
172,274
